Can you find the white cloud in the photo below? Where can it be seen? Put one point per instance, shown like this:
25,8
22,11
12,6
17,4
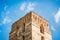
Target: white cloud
23,5
57,16
30,6
5,13
52,28
5,16
6,20
27,6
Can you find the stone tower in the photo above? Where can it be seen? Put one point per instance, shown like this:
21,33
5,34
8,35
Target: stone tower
30,27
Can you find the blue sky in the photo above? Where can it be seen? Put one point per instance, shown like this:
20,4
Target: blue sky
12,10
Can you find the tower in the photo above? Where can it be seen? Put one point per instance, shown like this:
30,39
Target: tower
30,27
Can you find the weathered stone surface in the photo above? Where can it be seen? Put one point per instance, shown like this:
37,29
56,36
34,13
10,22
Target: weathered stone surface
30,27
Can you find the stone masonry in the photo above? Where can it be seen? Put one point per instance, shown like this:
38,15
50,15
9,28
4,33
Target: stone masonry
30,27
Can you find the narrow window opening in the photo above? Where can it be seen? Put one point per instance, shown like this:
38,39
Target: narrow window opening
42,38
17,27
24,27
23,38
42,29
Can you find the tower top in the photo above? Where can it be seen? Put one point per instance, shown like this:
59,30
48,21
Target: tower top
32,15
33,18
35,14
30,27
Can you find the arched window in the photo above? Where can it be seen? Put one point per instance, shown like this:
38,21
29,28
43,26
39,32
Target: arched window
42,29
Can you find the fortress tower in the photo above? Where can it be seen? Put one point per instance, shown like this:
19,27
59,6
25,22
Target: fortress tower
30,27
